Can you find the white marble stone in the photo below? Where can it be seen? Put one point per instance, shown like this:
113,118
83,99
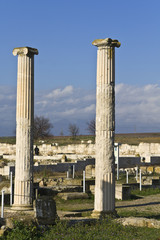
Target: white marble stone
23,188
105,126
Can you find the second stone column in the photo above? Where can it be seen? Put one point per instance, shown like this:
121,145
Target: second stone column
105,126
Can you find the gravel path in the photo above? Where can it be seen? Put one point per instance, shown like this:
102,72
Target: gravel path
148,203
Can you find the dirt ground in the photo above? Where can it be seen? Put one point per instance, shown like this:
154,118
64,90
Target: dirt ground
147,204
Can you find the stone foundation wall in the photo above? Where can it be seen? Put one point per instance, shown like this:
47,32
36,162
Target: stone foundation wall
143,149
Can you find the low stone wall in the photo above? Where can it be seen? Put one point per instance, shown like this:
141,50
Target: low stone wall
143,149
57,167
80,149
7,149
5,171
63,167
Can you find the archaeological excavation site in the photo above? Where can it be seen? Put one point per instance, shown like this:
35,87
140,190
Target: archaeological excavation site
85,179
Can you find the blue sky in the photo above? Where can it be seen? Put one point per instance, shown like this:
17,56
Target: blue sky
65,69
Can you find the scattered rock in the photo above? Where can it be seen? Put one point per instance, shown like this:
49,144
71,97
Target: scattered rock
3,227
9,223
64,158
139,222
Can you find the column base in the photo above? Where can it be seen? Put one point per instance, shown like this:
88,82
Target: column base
22,207
103,214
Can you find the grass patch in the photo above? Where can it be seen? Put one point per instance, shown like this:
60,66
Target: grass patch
128,138
106,229
10,140
146,192
75,205
122,178
66,140
137,213
137,138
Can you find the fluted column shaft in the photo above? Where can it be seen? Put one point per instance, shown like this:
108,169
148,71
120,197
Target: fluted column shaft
105,126
23,190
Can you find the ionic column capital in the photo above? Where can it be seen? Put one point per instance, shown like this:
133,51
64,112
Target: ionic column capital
25,51
106,42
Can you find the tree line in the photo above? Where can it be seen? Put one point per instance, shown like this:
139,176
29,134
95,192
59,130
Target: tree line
43,127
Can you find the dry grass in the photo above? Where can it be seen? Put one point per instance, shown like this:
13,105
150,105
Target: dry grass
128,138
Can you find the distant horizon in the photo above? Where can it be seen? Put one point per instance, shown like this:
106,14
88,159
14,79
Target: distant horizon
87,135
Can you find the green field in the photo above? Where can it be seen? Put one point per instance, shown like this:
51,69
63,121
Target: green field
128,138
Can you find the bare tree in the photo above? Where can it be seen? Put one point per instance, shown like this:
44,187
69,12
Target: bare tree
73,130
91,126
61,132
42,127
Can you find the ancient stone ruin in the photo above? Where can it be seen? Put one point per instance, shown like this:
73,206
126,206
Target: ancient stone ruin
105,126
23,191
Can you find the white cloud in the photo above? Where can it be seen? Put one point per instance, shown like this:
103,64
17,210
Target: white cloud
57,93
136,107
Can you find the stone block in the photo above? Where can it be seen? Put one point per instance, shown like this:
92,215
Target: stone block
74,195
143,169
92,189
122,192
45,210
139,222
156,182
64,158
71,182
150,169
157,169
90,171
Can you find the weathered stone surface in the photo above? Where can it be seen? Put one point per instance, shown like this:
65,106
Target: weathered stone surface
45,210
105,126
75,151
64,158
122,192
143,170
150,169
90,171
157,169
74,195
107,42
140,222
71,182
9,223
23,192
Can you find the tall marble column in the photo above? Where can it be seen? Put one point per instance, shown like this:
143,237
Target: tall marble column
105,126
23,186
